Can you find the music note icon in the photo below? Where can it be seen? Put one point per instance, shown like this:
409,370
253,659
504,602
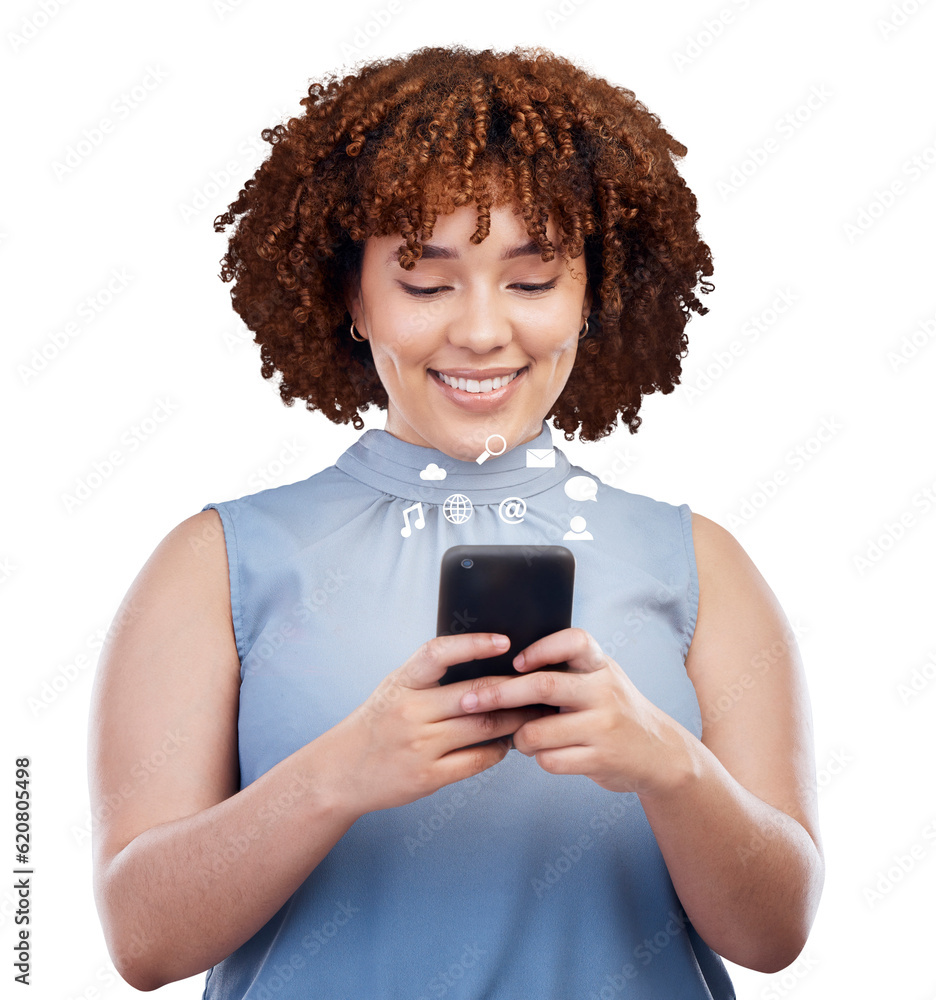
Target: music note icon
406,531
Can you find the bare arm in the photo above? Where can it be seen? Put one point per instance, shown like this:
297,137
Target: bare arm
739,830
187,867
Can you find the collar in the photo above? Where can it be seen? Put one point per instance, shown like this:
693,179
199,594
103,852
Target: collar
413,472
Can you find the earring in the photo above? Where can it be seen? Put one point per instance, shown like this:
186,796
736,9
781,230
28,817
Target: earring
585,331
360,340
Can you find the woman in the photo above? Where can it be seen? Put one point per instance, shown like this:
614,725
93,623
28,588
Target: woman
285,794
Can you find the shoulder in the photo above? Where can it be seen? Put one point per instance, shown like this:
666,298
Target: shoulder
191,560
638,507
714,545
710,533
725,570
636,519
328,483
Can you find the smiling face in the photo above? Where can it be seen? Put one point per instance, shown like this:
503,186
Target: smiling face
470,312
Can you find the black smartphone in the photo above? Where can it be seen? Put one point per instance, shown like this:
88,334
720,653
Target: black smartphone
522,591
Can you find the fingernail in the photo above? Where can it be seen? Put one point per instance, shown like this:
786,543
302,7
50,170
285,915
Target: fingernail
518,660
470,701
501,641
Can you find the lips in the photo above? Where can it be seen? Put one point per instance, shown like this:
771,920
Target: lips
481,402
477,386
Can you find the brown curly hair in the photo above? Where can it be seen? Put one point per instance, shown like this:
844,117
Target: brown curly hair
406,139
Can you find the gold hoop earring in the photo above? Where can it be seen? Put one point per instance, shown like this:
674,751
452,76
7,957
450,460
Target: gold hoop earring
360,340
585,332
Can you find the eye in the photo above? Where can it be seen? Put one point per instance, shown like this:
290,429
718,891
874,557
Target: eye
412,290
426,292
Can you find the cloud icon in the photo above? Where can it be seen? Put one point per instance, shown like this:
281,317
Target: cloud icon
432,471
581,488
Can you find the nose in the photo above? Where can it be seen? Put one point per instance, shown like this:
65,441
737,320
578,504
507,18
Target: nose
480,326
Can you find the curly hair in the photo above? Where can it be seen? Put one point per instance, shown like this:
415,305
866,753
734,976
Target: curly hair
390,148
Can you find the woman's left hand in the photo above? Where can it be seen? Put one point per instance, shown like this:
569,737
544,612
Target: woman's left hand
605,728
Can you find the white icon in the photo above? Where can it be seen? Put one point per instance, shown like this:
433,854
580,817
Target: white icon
489,451
541,458
577,530
433,471
581,488
512,510
406,530
457,508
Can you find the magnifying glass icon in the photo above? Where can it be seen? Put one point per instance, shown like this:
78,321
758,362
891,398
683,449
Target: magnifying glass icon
489,451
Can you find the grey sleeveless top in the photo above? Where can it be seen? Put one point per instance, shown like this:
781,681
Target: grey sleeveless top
515,883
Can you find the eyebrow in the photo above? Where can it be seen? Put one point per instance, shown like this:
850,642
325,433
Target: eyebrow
432,251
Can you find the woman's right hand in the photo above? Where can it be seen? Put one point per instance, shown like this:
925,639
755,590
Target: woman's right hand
411,737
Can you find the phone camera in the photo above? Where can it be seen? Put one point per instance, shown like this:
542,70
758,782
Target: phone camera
467,563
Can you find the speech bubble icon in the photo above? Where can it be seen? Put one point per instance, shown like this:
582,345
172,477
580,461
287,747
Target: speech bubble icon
581,488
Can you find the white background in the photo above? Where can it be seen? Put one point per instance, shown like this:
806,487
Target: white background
836,216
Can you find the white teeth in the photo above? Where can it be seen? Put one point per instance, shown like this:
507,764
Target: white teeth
472,385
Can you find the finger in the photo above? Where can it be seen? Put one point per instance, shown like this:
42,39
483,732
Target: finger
566,760
428,664
549,687
444,701
470,760
555,731
464,730
573,646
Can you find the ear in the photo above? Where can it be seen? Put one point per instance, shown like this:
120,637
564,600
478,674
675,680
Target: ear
352,299
353,304
587,303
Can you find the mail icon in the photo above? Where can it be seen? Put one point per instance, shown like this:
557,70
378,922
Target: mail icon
541,458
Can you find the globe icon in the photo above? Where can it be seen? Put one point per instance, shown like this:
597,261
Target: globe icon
457,508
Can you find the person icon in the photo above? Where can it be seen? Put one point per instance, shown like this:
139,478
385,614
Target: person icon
577,530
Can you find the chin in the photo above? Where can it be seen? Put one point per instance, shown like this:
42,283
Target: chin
455,446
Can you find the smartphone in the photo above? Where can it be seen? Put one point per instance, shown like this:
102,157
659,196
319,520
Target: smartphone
522,591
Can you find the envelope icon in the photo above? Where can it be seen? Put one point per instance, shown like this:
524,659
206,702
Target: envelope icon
541,458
